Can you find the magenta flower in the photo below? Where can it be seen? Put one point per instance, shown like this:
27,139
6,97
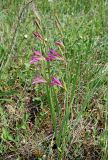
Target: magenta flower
55,81
34,59
37,56
37,53
37,36
52,55
38,80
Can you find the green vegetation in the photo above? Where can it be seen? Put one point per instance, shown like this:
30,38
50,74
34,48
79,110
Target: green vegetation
63,122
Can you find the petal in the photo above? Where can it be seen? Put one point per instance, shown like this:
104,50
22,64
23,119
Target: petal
55,81
37,53
48,59
38,80
54,53
34,59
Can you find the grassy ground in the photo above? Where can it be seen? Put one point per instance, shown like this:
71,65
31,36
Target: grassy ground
26,130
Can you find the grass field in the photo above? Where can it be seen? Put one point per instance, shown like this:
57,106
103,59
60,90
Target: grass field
64,117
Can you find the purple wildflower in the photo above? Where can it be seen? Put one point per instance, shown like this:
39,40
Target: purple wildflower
37,56
36,53
55,81
34,59
52,55
38,80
